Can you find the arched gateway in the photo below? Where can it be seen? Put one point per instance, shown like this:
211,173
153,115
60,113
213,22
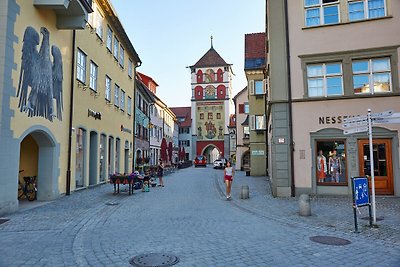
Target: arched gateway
211,105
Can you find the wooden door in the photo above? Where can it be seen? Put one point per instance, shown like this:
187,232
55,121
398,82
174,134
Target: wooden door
382,150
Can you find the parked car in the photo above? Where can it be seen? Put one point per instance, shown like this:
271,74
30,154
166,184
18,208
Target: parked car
220,163
200,161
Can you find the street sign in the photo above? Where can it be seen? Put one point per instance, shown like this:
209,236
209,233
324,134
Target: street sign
387,120
361,191
355,124
384,114
356,130
355,119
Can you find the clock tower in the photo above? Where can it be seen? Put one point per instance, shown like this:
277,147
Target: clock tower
211,84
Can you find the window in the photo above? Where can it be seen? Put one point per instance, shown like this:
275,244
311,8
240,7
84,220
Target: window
129,111
99,24
372,73
109,38
93,76
210,116
122,106
201,116
321,12
108,89
116,95
130,68
121,56
258,87
246,108
116,47
325,79
81,66
246,131
366,9
260,122
331,162
218,115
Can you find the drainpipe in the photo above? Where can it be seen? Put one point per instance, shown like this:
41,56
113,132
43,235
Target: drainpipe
71,109
292,186
266,95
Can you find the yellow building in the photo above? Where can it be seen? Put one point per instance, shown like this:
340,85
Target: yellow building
44,107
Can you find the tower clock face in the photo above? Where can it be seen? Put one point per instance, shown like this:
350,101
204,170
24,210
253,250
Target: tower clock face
210,90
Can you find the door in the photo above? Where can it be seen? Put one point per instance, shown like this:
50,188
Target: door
382,150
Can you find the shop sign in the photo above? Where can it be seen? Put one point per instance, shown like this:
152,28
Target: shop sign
257,152
96,115
126,130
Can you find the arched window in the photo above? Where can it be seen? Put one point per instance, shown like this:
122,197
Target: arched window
221,91
198,90
199,76
220,76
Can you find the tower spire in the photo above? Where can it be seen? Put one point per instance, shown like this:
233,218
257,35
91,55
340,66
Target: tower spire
211,41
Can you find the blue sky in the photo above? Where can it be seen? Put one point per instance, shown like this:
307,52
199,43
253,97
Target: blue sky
171,35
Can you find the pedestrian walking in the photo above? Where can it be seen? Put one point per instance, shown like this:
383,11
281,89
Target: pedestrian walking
228,178
160,170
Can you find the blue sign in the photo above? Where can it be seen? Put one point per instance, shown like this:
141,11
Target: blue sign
361,191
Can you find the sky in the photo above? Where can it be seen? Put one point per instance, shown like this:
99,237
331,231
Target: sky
171,35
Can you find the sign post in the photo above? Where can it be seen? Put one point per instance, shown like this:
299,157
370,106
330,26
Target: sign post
371,164
360,190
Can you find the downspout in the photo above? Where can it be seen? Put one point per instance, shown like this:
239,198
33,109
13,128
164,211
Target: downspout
266,93
71,110
292,186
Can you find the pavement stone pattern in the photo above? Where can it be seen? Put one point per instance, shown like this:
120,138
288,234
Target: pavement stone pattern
191,218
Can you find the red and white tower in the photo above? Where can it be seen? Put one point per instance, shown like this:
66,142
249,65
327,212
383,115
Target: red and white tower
211,105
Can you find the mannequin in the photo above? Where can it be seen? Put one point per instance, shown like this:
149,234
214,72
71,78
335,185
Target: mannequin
334,167
321,167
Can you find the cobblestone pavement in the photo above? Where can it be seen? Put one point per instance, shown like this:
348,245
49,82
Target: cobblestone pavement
191,219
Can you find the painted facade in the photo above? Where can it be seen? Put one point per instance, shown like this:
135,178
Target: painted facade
331,80
184,120
211,105
40,92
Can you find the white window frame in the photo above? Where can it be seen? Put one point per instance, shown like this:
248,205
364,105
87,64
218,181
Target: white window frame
371,73
129,106
107,93
324,76
116,95
109,39
116,47
94,70
81,66
130,68
122,99
366,9
321,9
254,122
99,23
121,55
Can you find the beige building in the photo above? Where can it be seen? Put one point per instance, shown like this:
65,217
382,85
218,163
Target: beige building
330,61
255,55
241,101
56,120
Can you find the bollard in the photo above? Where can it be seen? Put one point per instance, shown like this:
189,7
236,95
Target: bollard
304,205
244,192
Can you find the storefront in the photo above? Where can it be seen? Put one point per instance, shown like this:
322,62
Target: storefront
334,157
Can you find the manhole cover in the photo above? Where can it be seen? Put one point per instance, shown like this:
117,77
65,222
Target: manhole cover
330,240
367,218
154,259
3,220
111,203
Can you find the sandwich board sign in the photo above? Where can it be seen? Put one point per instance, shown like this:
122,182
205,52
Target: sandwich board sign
360,190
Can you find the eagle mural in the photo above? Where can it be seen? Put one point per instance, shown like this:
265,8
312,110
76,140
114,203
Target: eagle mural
40,79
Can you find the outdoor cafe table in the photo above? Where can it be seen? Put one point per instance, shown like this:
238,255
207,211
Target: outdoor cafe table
116,180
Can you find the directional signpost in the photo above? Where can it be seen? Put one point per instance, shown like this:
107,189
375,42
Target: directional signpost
361,124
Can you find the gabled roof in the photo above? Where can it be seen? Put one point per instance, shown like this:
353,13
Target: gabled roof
210,59
254,51
183,112
146,79
238,94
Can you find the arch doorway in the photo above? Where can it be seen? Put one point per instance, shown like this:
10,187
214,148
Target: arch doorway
212,153
39,157
246,161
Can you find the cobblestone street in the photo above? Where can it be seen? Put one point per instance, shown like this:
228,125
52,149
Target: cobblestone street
191,219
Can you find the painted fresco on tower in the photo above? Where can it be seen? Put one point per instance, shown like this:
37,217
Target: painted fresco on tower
40,79
210,120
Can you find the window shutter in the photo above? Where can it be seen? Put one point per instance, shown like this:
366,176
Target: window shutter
251,87
265,86
241,108
252,122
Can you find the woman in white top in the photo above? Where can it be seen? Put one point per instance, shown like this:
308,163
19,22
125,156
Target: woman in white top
228,177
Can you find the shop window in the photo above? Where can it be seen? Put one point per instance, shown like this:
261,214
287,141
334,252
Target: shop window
331,162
